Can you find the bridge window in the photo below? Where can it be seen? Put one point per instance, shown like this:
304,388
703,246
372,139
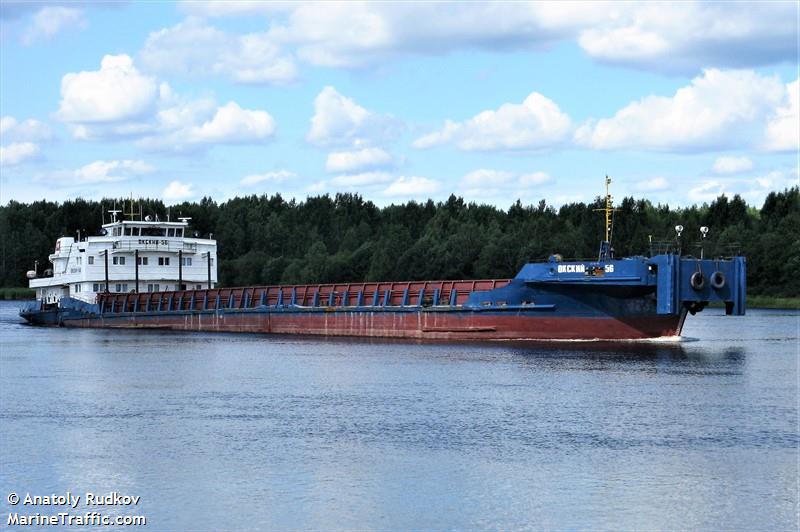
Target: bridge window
119,260
122,287
154,231
91,261
163,261
187,261
143,261
171,231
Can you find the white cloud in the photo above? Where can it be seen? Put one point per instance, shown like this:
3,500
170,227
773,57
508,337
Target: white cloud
753,189
29,130
339,120
564,199
783,128
226,8
535,179
177,190
732,165
720,109
195,49
21,139
107,171
364,179
17,153
188,127
536,123
96,172
413,186
350,161
485,182
7,123
377,32
668,37
655,184
96,106
484,176
318,187
358,182
778,179
118,91
278,176
48,21
231,123
686,36
708,191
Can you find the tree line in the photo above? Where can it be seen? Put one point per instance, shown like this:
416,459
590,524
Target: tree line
344,238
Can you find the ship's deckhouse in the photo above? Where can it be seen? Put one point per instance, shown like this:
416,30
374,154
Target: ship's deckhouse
128,256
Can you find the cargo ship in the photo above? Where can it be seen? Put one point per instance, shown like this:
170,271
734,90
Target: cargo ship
150,274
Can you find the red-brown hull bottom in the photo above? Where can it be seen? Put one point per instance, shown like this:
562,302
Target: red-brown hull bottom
413,325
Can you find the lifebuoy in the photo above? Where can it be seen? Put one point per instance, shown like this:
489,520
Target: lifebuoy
717,280
698,280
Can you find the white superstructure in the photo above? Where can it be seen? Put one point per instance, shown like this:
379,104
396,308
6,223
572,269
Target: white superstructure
168,258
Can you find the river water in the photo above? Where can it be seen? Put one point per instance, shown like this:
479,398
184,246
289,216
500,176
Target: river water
225,431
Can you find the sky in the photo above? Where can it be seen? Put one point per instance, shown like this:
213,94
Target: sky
677,102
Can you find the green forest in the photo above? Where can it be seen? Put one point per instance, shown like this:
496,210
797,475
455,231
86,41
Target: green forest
269,240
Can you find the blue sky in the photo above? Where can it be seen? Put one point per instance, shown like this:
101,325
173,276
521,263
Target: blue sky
677,102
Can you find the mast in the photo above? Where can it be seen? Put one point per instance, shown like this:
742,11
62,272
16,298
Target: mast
131,213
606,251
609,210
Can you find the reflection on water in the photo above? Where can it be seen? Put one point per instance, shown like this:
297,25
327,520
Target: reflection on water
253,431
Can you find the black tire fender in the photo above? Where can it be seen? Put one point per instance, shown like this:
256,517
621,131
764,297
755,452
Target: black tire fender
697,280
717,280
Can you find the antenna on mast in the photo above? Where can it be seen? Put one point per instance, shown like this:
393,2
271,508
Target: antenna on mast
131,212
606,251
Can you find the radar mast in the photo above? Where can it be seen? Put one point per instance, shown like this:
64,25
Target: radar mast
606,251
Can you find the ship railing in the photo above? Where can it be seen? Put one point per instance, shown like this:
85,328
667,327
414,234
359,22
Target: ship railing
389,294
714,250
154,244
706,248
571,259
663,247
